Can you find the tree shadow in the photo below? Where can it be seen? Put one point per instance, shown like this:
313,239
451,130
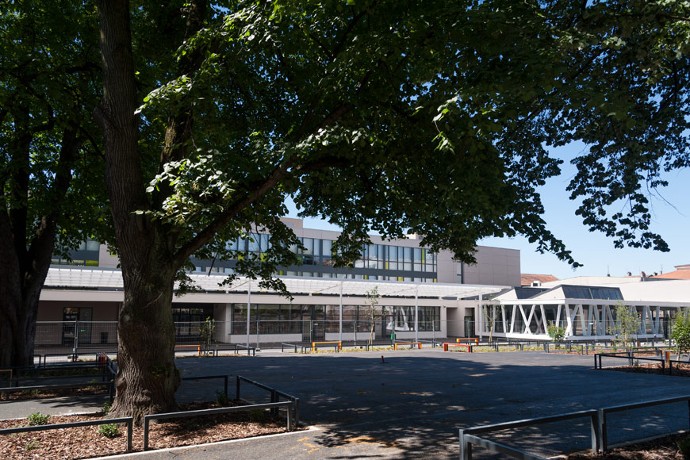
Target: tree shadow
415,403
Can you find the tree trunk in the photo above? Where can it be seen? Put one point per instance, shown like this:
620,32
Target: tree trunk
10,295
19,295
18,318
147,377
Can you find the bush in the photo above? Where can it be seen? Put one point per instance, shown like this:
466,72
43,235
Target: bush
109,430
557,333
684,447
680,332
38,419
222,399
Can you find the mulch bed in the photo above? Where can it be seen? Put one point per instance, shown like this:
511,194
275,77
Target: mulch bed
88,442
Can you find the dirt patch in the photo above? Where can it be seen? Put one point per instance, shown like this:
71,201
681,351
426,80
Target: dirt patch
659,449
88,442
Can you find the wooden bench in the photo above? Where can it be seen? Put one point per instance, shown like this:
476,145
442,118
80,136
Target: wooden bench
196,348
411,344
448,345
337,344
474,340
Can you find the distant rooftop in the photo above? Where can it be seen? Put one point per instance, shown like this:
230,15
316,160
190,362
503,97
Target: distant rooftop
533,279
682,272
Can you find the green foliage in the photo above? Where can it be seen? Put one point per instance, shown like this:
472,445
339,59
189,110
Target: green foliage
680,331
38,419
426,116
207,331
222,399
684,447
109,430
627,325
51,172
557,333
106,408
32,445
259,415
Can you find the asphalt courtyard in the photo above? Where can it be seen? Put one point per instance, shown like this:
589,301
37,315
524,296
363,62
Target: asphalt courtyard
410,404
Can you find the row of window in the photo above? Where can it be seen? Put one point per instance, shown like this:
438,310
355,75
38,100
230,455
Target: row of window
288,318
340,275
319,251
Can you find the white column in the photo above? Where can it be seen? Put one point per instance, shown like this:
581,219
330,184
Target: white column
249,308
479,324
340,324
416,314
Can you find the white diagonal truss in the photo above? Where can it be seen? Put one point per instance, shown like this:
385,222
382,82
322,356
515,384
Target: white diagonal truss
582,319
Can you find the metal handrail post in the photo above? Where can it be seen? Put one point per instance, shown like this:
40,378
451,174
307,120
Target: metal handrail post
598,430
465,447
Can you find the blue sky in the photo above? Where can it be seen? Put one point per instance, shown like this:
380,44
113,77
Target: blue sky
671,219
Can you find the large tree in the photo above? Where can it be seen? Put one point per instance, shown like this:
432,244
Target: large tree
425,116
49,76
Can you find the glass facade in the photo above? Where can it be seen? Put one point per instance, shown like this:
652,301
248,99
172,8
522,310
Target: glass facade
378,262
311,320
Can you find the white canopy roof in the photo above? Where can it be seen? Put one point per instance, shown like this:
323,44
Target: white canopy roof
86,278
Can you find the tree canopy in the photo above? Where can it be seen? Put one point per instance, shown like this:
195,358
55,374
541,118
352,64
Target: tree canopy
50,178
362,110
425,116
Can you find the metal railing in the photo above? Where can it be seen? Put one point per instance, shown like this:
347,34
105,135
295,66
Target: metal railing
57,426
634,359
598,424
212,377
217,411
295,346
106,368
274,394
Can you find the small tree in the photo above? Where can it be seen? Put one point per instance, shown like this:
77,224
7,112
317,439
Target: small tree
373,312
627,325
490,313
556,332
206,332
680,333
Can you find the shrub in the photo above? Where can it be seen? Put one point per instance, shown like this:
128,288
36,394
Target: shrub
684,447
259,416
680,332
109,430
106,408
38,419
32,445
222,399
557,333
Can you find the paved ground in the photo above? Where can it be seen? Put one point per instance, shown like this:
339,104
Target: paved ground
412,405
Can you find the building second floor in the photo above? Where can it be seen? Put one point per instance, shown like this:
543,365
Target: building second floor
402,260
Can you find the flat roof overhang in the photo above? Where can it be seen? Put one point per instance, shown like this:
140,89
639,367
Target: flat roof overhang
111,280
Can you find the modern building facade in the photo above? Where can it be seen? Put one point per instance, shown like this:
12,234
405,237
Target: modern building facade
396,287
585,308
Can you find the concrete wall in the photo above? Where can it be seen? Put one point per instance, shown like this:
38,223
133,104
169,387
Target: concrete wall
495,266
